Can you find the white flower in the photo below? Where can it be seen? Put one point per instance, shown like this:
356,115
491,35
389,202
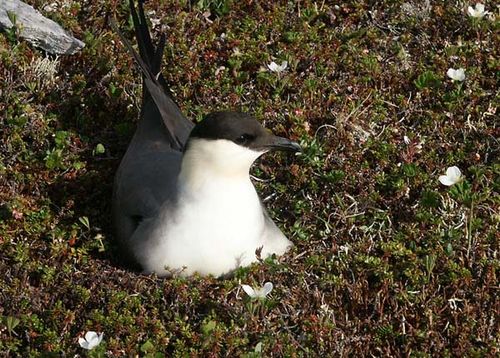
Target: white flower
274,67
456,75
260,292
453,176
406,140
477,11
91,340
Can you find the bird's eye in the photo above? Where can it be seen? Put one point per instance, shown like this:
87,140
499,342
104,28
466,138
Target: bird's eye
245,138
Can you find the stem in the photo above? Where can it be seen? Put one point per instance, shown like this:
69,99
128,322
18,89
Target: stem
469,229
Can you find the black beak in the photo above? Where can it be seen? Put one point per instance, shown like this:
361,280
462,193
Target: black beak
279,143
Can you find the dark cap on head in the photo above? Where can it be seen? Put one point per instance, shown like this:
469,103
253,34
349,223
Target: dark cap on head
242,129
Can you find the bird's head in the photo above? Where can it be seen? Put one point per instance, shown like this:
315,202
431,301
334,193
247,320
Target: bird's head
231,141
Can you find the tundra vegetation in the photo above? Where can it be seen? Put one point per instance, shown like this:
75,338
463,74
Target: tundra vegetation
387,260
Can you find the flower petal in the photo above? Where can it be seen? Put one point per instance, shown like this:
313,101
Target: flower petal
268,287
249,290
93,342
453,173
83,343
456,75
272,66
90,335
445,180
99,338
478,11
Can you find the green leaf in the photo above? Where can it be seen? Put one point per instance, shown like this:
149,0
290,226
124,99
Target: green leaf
84,221
99,149
449,249
54,159
208,327
410,169
61,139
11,323
427,79
430,199
148,347
430,263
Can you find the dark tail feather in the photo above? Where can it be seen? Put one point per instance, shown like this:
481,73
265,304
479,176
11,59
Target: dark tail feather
146,48
149,60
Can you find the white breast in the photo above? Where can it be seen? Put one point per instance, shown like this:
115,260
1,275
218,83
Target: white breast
215,226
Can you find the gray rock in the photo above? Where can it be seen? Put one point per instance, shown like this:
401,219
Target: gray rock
37,29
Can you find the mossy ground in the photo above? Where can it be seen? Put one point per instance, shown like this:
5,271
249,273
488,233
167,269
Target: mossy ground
387,261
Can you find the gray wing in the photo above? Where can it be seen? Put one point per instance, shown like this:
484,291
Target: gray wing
142,184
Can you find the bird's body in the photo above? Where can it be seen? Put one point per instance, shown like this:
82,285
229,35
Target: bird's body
194,210
202,219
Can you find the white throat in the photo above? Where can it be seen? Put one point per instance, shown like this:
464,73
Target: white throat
207,160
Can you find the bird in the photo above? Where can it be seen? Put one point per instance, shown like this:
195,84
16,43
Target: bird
183,201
